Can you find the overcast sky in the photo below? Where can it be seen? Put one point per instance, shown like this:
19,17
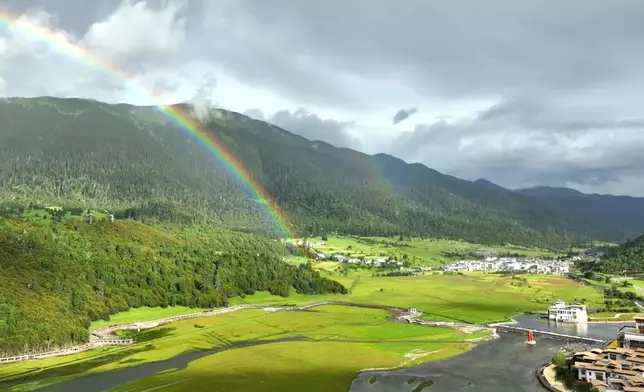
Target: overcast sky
518,92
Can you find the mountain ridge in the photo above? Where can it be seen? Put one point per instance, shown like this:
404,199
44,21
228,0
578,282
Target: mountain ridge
117,156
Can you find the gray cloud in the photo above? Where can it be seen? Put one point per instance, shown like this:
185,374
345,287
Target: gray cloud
403,114
525,143
452,49
539,92
310,126
255,113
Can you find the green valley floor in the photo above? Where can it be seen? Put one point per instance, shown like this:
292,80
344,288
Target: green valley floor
316,350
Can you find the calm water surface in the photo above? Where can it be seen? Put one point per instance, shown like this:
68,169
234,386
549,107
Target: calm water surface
504,364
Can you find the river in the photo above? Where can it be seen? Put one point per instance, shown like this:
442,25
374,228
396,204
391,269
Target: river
504,364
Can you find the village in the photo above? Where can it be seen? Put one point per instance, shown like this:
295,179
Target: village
523,264
367,261
491,262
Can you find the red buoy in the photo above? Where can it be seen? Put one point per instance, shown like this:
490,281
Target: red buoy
530,340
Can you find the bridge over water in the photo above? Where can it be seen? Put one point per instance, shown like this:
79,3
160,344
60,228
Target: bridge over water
547,334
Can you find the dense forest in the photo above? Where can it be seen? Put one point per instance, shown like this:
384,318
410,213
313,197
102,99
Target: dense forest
627,258
58,276
133,162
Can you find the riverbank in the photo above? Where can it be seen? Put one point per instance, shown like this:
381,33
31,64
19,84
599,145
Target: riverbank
513,364
610,322
547,375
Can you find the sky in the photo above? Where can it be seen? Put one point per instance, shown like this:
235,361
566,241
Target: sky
519,92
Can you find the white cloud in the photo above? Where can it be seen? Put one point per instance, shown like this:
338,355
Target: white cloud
136,32
134,36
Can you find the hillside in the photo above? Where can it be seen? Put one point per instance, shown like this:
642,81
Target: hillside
55,278
623,214
133,162
627,258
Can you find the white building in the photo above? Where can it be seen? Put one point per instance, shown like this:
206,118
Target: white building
559,312
632,338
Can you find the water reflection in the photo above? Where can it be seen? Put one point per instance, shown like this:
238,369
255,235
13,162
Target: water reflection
602,331
504,364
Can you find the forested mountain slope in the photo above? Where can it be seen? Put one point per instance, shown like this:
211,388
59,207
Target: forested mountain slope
627,258
624,215
56,277
82,153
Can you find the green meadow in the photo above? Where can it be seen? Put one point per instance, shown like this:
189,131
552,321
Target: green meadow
323,348
473,297
426,252
329,344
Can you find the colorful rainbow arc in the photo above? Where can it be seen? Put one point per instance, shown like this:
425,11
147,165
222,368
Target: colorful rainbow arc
205,138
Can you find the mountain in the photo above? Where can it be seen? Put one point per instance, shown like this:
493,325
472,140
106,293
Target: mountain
135,162
627,258
623,214
488,184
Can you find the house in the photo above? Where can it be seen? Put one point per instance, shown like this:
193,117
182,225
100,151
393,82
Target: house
632,337
559,312
615,369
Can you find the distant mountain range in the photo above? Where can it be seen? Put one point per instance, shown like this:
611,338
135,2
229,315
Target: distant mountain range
624,214
89,154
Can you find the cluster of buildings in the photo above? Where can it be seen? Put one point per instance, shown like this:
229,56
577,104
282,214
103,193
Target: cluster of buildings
379,261
368,261
619,368
521,264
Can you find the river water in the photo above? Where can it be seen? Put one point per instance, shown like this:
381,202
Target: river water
504,364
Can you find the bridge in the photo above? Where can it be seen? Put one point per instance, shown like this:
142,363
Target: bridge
548,334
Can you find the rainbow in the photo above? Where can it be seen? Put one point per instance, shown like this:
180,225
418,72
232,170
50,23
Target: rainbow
206,139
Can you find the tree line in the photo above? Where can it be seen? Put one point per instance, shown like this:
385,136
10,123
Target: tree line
58,277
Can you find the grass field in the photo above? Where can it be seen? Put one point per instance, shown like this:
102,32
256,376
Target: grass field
338,340
335,342
476,298
611,316
429,252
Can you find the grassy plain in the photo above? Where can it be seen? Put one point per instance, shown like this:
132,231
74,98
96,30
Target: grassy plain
476,298
333,342
427,252
612,316
355,338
